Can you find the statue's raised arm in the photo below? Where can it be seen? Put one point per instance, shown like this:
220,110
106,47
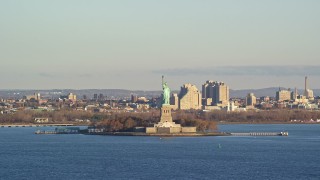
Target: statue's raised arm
166,93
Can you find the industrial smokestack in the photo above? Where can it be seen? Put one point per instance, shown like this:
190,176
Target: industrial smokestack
305,86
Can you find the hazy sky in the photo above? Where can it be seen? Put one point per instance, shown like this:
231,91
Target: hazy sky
129,44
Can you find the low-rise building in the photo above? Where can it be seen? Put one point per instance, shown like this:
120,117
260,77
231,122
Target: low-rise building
41,120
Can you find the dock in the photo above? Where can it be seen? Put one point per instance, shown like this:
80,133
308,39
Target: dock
53,132
260,134
33,125
60,130
45,132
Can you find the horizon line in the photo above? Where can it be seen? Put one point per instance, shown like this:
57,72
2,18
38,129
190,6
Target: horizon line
79,89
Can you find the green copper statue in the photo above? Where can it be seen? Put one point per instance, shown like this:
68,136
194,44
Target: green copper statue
166,93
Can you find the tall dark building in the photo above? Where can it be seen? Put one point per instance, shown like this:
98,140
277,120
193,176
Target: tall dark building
95,97
101,97
134,98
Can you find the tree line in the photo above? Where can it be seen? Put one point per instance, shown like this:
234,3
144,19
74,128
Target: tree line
269,116
127,121
124,121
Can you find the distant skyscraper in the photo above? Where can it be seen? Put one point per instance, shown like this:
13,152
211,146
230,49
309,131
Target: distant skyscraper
215,93
308,93
294,95
101,97
134,98
207,89
221,95
95,97
72,97
34,97
265,98
251,100
283,95
174,101
37,96
189,97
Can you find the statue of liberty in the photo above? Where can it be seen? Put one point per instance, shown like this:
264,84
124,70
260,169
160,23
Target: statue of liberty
166,93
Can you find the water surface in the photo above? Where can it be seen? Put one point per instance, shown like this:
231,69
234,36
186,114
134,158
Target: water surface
25,155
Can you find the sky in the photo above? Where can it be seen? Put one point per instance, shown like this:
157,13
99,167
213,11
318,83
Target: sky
98,44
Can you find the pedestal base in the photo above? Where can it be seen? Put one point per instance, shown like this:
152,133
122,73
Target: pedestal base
166,125
165,113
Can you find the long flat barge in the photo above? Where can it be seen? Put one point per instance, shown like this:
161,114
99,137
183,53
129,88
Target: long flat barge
60,130
34,125
54,132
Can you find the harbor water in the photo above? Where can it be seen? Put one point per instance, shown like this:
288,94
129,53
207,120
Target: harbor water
25,155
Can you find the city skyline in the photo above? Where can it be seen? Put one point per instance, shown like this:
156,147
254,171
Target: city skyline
129,45
197,84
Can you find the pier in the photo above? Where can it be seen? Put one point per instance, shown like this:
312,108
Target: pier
61,130
260,134
34,125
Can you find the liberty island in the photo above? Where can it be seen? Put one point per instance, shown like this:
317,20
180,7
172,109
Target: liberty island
166,125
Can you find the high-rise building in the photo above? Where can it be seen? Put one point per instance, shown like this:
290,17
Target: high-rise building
189,97
34,97
308,93
101,97
95,97
207,89
294,94
37,96
134,98
283,95
174,101
215,93
251,100
265,98
221,94
72,97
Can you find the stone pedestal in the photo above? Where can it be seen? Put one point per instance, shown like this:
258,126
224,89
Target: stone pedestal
165,113
166,119
166,125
